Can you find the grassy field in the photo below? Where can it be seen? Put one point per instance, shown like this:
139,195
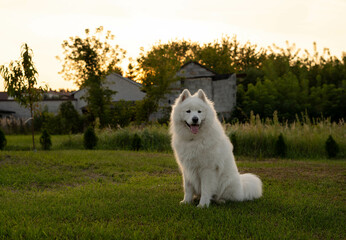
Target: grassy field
103,194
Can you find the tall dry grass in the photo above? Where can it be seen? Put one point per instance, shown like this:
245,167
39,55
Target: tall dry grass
304,138
12,125
257,138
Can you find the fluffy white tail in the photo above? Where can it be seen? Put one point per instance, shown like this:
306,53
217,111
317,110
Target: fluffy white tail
252,186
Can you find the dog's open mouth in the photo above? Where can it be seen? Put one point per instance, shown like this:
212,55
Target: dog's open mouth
194,128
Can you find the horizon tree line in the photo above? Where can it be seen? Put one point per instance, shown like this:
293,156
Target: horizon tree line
287,80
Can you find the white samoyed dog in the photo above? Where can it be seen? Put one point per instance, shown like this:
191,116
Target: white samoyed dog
204,154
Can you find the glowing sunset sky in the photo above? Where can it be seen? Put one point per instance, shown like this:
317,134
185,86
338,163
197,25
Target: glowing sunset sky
44,24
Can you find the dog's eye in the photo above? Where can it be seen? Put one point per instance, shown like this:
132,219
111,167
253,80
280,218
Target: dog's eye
199,111
188,111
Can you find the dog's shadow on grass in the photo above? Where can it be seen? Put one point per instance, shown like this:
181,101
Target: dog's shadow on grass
221,203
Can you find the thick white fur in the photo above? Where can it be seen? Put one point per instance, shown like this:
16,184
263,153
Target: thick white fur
206,158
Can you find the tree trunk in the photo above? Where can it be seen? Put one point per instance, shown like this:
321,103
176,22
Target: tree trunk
32,127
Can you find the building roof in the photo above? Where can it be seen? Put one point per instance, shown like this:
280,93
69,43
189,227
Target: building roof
119,76
197,63
221,76
57,96
215,75
127,79
54,95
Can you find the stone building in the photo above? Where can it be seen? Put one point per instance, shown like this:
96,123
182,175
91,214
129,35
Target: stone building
51,103
221,89
125,88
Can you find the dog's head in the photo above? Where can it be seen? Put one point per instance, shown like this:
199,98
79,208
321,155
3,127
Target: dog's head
191,111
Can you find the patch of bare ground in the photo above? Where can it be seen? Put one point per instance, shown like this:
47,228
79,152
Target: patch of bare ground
163,172
8,159
281,169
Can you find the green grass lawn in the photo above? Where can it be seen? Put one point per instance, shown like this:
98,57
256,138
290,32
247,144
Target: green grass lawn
59,142
79,194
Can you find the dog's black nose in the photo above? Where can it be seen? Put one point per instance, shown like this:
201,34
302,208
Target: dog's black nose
195,119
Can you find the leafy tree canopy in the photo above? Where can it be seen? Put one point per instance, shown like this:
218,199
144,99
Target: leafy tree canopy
286,80
20,82
21,79
87,61
94,55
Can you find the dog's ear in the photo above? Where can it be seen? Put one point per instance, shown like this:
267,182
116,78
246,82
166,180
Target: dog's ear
201,95
185,94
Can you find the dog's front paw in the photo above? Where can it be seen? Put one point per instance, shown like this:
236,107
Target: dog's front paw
184,202
203,204
219,201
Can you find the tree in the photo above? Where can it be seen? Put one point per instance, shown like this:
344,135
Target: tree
144,108
157,67
277,79
122,113
70,118
20,82
131,71
156,70
228,55
87,62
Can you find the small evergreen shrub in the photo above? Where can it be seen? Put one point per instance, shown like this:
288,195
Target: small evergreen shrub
136,142
45,140
280,146
90,138
3,140
233,138
332,148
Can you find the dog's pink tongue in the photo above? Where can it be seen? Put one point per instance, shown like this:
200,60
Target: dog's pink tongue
194,129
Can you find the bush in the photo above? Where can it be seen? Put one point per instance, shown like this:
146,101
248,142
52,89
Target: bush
144,108
280,146
48,121
70,119
136,142
122,114
3,140
332,148
90,138
45,140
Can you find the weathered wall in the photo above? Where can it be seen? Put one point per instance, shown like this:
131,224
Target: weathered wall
224,92
20,112
194,77
125,88
200,83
